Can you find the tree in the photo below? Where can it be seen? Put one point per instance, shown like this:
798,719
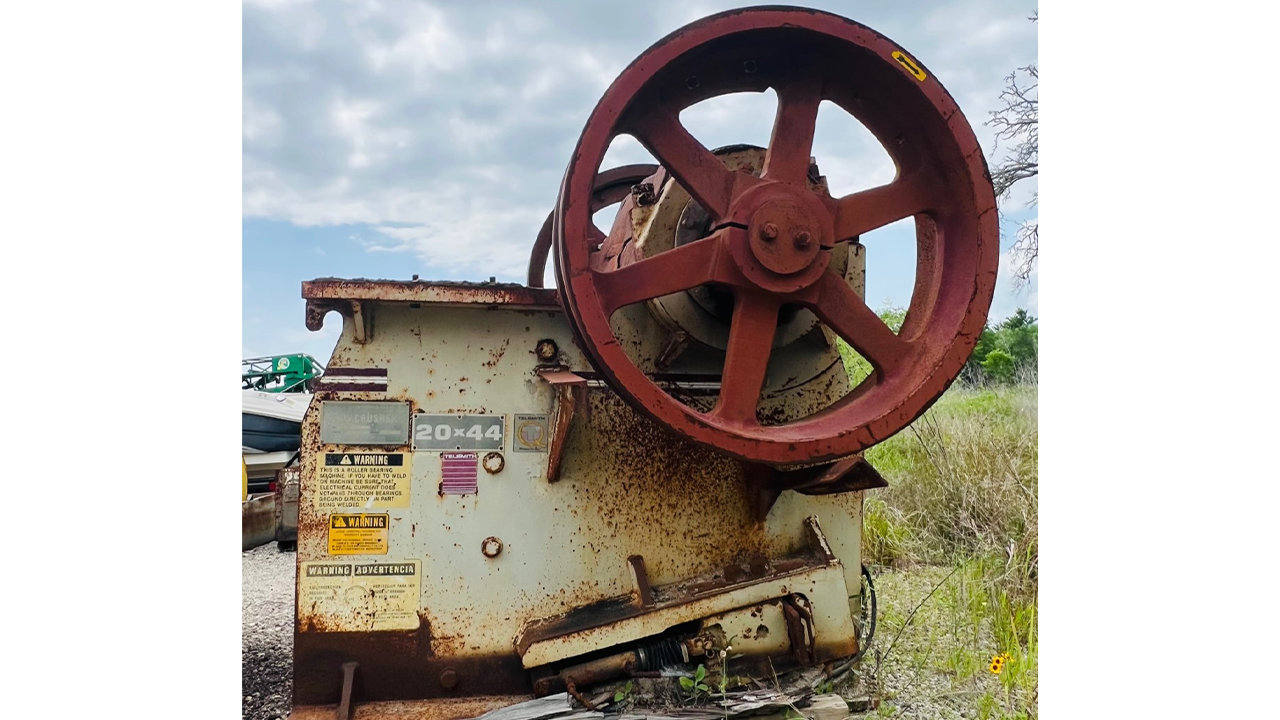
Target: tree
1019,319
1006,352
1019,336
999,366
1017,123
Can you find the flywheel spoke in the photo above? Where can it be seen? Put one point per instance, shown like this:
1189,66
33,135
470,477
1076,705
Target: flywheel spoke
791,144
848,316
697,170
698,263
755,320
864,211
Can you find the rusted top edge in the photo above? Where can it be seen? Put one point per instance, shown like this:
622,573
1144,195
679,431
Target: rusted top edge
437,291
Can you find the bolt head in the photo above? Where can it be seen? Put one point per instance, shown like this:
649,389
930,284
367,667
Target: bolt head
769,232
491,547
546,350
803,240
493,463
449,678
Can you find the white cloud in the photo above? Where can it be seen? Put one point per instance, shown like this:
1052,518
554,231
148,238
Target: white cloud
276,4
427,45
448,125
259,124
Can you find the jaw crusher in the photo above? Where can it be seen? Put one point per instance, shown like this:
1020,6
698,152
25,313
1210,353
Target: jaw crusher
510,491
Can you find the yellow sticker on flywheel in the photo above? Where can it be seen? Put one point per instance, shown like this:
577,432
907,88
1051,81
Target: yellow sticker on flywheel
910,64
358,534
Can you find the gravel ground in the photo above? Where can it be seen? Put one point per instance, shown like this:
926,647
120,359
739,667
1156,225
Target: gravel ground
267,577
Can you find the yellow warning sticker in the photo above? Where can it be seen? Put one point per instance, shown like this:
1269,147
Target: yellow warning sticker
358,534
359,597
910,64
362,480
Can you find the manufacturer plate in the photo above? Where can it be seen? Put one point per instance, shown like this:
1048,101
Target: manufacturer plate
529,434
459,432
458,475
364,423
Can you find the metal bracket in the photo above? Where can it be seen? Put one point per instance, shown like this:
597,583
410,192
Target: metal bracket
348,683
644,591
362,316
851,474
571,392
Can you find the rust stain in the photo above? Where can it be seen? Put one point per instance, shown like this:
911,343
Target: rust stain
496,354
339,289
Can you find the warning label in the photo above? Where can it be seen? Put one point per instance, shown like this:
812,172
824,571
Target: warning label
358,534
362,480
344,597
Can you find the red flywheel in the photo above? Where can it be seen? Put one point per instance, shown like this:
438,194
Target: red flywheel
773,236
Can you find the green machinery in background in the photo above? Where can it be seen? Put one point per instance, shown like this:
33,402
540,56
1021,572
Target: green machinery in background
280,373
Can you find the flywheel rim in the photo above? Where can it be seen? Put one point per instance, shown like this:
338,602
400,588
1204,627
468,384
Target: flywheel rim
940,165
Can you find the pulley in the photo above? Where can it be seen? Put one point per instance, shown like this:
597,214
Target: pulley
772,237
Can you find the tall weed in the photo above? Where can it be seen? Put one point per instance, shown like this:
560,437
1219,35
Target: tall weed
963,490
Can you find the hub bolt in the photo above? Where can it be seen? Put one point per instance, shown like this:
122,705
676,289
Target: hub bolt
803,240
769,232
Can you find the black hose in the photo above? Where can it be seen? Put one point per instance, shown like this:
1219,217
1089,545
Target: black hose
868,623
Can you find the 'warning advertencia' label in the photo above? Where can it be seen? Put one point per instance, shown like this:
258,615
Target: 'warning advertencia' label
362,534
360,596
362,480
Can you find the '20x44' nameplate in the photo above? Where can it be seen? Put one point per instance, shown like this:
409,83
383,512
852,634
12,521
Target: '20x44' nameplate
459,432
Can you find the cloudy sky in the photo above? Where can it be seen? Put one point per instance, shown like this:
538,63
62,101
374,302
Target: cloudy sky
388,138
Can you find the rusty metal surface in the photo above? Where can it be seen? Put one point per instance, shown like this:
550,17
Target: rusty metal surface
258,521
348,681
288,481
756,631
442,709
434,292
644,591
618,622
625,483
806,56
569,393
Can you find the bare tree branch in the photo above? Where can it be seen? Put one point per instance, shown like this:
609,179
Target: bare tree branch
1017,123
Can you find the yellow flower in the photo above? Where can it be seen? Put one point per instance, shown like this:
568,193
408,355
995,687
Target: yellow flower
997,664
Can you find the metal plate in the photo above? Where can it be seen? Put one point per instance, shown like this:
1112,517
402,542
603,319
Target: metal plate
369,422
530,434
459,432
458,473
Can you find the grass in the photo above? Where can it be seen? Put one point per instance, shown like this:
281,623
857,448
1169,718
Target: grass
959,516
